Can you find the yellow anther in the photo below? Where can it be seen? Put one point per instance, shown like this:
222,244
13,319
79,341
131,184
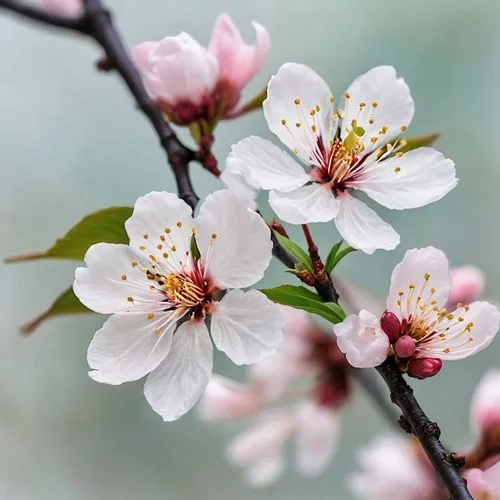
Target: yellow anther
178,224
347,95
130,299
167,230
150,316
165,255
173,248
331,100
146,236
312,112
397,170
371,121
214,236
375,104
297,101
298,124
159,247
403,143
447,350
283,122
152,257
124,277
134,264
427,276
157,331
449,317
142,247
373,140
384,130
313,128
162,238
362,104
403,128
318,107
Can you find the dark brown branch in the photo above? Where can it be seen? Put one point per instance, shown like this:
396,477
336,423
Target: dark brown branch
427,432
96,23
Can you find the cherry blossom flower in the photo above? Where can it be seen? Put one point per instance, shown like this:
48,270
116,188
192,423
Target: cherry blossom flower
310,367
485,408
191,82
355,148
64,7
393,468
159,292
421,330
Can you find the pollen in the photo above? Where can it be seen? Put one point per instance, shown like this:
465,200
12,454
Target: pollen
298,124
173,248
318,106
312,112
134,264
283,122
165,255
397,170
373,140
403,128
150,316
362,104
159,247
167,230
371,121
162,238
427,276
449,317
153,258
124,277
374,104
313,128
384,130
130,299
447,350
146,236
214,236
297,101
142,247
347,95
178,224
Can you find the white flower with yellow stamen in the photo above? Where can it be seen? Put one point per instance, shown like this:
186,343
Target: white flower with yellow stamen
416,324
354,148
162,287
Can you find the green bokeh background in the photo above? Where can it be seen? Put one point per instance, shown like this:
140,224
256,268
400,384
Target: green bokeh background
71,142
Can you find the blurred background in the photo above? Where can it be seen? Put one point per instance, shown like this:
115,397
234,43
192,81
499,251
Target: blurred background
71,142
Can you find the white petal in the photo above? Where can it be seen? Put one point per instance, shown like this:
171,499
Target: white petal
247,326
492,481
242,248
160,229
129,346
311,203
362,228
461,338
394,105
317,435
412,272
227,399
267,166
265,472
418,178
264,440
238,183
485,406
362,340
113,281
177,384
299,83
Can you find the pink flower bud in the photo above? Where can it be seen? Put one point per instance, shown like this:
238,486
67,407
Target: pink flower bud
64,7
424,367
238,62
405,346
467,285
485,407
391,325
179,74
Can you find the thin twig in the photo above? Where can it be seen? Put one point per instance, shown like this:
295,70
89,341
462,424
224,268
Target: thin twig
427,432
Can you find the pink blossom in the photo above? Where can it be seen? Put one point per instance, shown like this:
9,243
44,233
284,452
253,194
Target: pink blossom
467,285
191,82
238,62
485,484
63,7
485,408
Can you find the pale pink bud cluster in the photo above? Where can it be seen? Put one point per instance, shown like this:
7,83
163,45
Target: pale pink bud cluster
68,8
485,408
310,359
467,285
191,82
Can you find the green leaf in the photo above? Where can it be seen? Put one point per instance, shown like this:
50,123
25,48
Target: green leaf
105,225
419,141
302,298
303,259
254,104
67,303
195,251
330,259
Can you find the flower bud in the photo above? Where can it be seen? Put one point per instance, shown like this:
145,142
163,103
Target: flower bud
424,367
405,346
467,285
391,325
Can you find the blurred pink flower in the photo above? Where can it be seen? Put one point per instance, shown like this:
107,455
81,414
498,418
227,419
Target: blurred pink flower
467,285
485,407
392,469
297,393
191,82
64,7
484,485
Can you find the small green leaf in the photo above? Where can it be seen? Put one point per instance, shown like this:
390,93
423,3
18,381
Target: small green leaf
67,303
330,259
105,225
302,298
419,141
195,251
254,104
303,259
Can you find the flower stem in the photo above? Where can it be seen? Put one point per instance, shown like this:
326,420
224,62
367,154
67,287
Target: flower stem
427,432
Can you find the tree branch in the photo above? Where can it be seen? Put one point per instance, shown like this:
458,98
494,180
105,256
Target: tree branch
427,432
96,22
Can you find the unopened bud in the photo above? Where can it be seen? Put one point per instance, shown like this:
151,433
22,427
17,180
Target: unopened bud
467,285
424,367
391,326
276,226
405,346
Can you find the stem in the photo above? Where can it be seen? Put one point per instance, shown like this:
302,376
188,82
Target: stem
427,432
